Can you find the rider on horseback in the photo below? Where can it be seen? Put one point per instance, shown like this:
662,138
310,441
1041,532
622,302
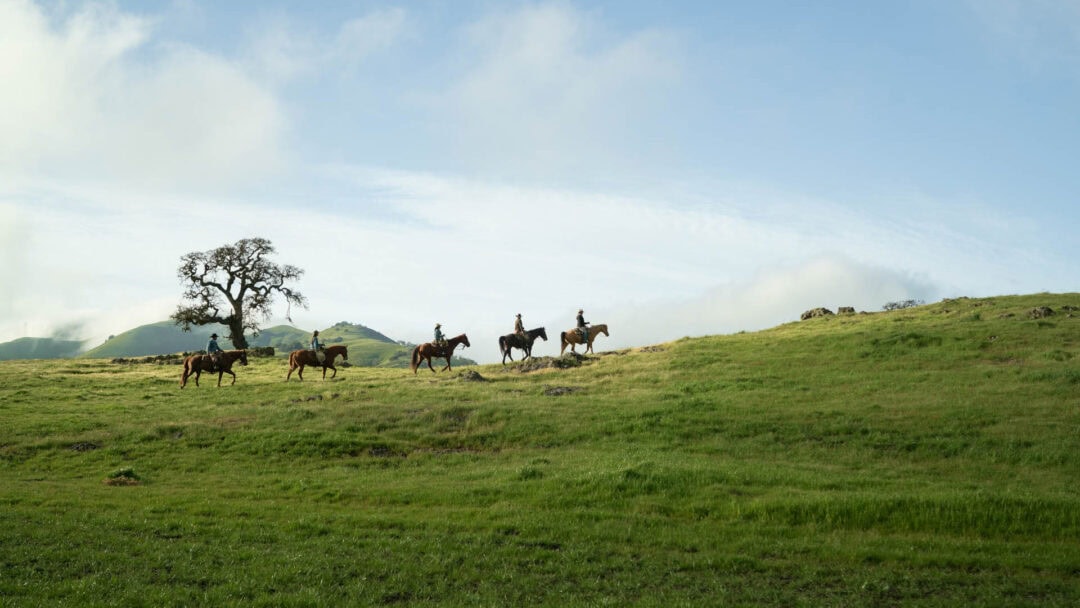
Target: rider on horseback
214,351
519,327
316,347
583,326
440,339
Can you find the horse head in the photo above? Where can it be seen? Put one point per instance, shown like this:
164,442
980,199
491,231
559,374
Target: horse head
344,353
243,357
465,340
542,333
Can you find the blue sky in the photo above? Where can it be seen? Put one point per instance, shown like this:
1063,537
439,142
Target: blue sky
675,168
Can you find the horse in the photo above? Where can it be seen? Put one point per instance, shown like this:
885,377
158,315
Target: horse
573,336
300,358
428,350
510,341
197,364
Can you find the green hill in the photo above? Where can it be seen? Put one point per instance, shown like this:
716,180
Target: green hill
927,456
160,338
39,348
367,347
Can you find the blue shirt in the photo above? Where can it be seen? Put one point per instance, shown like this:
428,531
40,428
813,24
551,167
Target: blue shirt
212,347
314,342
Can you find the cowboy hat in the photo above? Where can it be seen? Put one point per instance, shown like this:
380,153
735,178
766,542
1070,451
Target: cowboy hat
213,335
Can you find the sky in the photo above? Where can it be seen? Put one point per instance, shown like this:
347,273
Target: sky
673,168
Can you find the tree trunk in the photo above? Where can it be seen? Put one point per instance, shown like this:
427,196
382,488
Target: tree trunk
236,329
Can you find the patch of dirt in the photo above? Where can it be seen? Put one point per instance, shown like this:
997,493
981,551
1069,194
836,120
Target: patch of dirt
83,446
471,376
557,391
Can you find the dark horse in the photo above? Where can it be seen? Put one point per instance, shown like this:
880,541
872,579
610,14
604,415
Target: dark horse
428,350
300,358
573,336
197,364
525,343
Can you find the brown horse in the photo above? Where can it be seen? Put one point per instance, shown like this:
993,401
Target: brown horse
197,364
428,350
510,341
573,336
300,358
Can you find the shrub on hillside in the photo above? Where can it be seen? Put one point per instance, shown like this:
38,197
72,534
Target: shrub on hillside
902,304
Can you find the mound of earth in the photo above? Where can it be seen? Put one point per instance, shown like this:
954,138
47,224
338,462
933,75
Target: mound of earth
537,363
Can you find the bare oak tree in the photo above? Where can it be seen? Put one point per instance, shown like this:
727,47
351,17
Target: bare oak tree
234,285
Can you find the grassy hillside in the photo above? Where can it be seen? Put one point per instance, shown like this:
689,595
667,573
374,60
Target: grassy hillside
39,348
921,457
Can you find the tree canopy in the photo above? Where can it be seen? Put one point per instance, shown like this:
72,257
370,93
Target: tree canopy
234,285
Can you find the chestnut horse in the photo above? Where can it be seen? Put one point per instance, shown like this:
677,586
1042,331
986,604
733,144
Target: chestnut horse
510,341
428,350
300,358
197,364
573,336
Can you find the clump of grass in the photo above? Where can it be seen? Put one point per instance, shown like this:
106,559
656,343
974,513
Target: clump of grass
123,477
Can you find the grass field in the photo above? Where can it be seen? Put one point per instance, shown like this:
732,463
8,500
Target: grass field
927,456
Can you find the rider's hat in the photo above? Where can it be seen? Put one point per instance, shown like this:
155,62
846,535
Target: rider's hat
519,314
438,325
316,332
213,335
579,311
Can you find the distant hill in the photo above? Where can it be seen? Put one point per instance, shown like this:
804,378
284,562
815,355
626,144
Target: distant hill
367,347
39,348
160,338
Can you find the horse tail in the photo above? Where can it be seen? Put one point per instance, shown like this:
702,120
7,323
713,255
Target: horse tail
502,344
415,359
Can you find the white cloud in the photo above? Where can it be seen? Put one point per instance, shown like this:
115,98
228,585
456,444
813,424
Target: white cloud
547,89
77,102
359,38
280,49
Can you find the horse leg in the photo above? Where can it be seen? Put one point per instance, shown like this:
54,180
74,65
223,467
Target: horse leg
198,373
333,374
429,364
447,368
183,378
300,372
220,374
230,372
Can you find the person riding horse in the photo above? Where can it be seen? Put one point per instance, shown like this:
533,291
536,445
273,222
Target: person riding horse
214,351
316,347
519,327
583,325
440,339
